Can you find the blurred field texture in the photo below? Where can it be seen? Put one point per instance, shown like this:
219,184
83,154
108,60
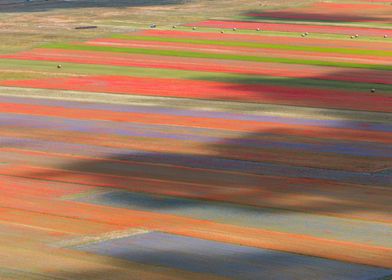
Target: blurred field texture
249,144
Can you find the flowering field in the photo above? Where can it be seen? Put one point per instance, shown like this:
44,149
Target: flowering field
256,147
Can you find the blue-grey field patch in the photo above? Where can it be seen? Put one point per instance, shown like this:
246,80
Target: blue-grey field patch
278,220
233,261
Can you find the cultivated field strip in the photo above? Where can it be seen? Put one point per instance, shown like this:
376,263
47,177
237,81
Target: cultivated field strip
295,27
332,12
187,153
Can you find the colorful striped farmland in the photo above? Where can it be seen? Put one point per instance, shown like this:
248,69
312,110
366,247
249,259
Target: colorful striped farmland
295,27
187,153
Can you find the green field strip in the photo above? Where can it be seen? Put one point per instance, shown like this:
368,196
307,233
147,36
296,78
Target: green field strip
26,75
94,69
285,34
256,45
206,105
191,54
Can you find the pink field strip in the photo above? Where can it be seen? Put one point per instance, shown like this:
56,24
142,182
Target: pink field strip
282,27
314,16
359,12
309,41
260,93
207,65
240,50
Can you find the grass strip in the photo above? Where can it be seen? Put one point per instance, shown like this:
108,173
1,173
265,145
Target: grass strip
293,34
224,56
190,104
380,53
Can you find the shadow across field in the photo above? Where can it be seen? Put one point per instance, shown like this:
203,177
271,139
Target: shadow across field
263,175
289,164
154,256
271,168
310,17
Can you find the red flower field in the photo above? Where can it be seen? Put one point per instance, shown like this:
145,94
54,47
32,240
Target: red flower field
215,90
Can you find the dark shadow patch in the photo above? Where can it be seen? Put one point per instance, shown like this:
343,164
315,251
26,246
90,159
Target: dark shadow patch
23,6
310,17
